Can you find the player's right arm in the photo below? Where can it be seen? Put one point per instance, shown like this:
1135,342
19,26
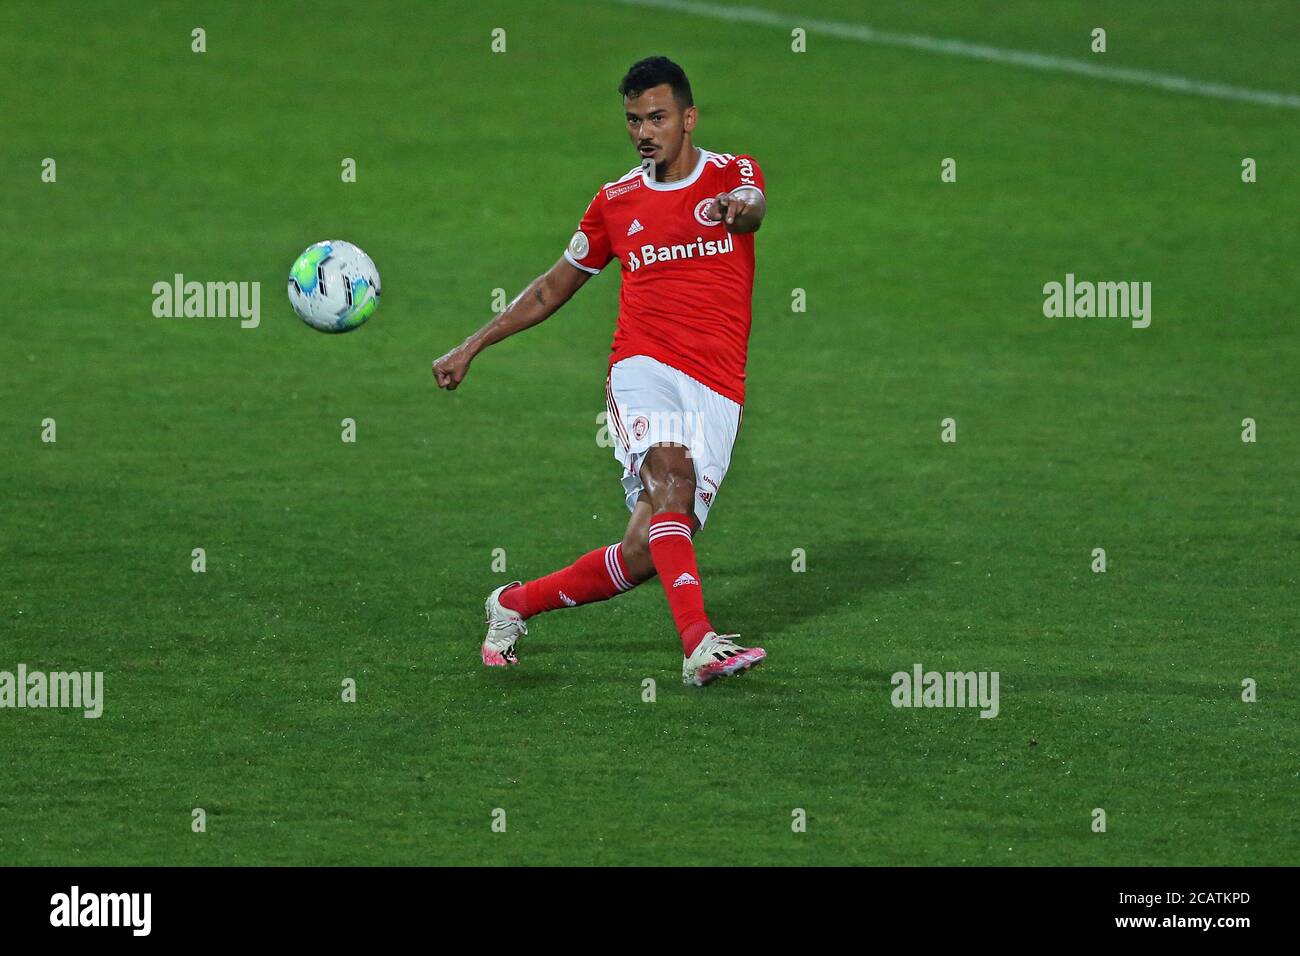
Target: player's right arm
589,251
537,303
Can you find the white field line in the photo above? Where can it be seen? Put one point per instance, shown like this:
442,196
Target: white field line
974,51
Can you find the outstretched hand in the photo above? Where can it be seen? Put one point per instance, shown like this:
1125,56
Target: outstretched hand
450,370
728,207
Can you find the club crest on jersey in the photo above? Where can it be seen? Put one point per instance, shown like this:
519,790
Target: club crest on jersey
698,249
702,213
578,245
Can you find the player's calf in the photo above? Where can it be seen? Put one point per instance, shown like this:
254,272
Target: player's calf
596,576
669,479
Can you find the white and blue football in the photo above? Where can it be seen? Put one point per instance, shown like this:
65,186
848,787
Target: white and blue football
334,286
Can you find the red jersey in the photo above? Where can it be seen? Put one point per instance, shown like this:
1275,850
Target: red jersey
687,282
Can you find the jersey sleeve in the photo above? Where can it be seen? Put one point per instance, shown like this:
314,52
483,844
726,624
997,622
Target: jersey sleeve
589,249
743,171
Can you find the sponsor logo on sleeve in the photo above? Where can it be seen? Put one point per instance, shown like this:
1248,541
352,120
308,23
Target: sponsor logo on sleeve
578,245
746,172
615,191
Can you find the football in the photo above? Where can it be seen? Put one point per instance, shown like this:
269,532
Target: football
334,286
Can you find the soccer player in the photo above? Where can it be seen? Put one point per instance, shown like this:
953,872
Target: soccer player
681,226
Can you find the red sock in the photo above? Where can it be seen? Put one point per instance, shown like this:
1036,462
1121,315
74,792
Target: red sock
674,557
596,576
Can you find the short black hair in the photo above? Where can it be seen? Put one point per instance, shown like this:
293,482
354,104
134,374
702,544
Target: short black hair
653,71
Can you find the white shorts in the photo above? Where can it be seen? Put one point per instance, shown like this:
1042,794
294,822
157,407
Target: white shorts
648,403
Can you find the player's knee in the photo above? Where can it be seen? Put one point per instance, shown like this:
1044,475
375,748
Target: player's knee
636,545
636,555
674,495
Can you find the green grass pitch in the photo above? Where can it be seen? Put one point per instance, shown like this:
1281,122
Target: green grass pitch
325,561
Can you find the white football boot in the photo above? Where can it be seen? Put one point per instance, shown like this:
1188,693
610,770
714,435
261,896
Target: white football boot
719,656
504,628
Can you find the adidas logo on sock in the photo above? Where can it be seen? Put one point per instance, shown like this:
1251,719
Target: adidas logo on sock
568,601
636,227
685,578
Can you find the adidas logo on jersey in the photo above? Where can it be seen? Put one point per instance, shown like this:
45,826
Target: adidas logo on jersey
684,579
636,227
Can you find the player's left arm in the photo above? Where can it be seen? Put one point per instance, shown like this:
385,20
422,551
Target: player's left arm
740,210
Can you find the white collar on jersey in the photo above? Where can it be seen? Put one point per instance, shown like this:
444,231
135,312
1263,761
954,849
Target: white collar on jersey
680,183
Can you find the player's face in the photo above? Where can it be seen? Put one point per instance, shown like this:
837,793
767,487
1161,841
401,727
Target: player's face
657,125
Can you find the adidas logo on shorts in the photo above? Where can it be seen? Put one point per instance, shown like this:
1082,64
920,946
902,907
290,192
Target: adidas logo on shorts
685,578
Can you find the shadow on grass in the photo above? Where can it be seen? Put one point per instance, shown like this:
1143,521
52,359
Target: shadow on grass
767,597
